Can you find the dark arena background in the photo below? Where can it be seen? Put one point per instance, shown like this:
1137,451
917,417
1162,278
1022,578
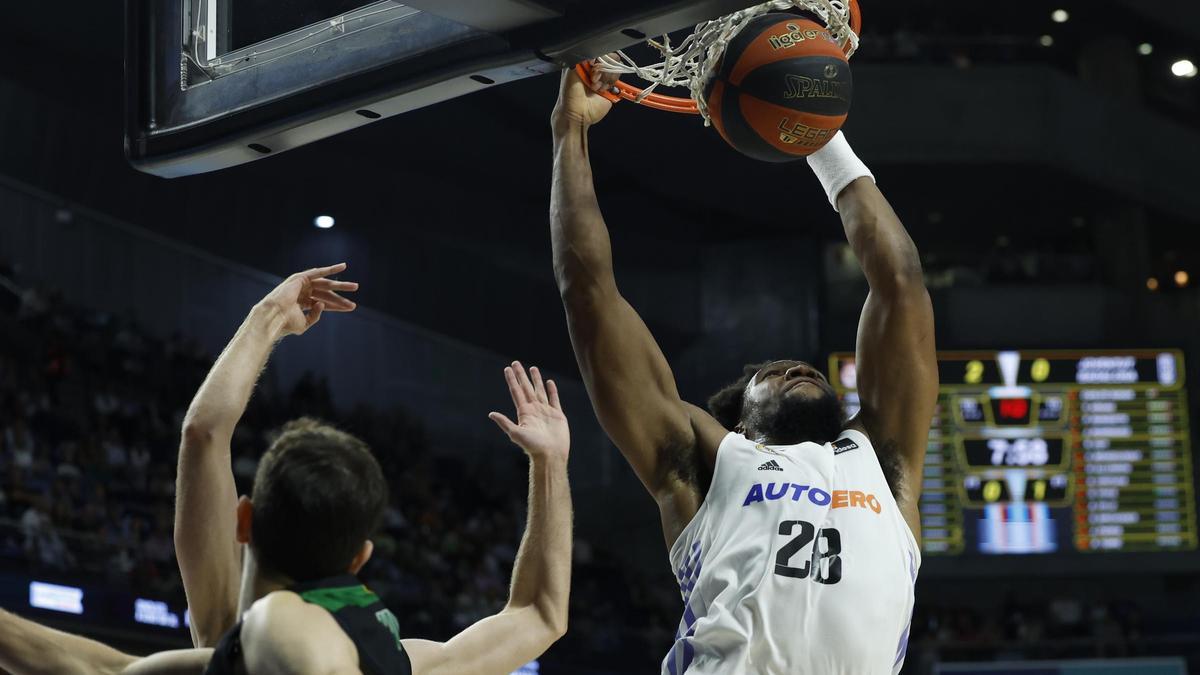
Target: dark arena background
1043,155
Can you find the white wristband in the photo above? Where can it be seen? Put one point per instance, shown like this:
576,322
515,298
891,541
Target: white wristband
837,167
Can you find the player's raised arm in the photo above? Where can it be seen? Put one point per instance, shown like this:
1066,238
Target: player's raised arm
536,613
206,499
896,357
627,376
28,648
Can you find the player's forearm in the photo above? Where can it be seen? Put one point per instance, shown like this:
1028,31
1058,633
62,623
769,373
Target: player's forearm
886,252
582,249
542,571
27,648
223,397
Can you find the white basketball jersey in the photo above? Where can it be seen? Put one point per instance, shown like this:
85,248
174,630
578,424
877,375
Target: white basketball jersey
798,562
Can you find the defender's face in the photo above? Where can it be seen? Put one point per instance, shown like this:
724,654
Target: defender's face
782,380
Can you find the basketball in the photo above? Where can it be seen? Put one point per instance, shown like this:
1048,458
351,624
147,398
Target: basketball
782,89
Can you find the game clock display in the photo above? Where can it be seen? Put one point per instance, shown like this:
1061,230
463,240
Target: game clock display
1036,452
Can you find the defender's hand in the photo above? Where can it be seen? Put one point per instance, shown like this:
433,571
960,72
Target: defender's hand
578,103
302,297
541,429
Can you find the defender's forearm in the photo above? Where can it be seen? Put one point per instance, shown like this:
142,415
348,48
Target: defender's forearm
223,397
28,648
883,247
542,571
582,249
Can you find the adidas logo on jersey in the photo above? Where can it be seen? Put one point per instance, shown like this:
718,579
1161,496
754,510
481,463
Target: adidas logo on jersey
770,466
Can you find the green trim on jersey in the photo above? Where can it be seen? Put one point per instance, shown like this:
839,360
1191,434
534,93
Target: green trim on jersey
336,599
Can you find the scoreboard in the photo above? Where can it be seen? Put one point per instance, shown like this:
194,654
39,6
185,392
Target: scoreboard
1054,452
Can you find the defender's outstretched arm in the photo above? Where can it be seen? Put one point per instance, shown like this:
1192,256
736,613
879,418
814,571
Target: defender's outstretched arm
896,355
28,648
628,379
206,498
536,613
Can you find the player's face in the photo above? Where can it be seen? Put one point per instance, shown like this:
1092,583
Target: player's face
795,379
789,402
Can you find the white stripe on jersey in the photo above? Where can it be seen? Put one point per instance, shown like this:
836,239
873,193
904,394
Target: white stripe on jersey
798,561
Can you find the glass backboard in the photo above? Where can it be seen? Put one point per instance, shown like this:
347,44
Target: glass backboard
217,83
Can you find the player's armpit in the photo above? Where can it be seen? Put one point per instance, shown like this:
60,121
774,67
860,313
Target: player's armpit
497,645
690,469
709,434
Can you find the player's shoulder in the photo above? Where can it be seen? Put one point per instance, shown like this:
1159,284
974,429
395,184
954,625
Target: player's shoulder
270,616
284,608
274,604
282,627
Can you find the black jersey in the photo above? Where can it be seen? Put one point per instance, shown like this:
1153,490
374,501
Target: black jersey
372,628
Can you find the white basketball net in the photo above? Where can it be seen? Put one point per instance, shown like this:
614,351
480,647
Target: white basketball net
692,63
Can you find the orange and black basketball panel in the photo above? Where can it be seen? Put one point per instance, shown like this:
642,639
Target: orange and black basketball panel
775,37
732,123
768,132
790,133
812,84
727,117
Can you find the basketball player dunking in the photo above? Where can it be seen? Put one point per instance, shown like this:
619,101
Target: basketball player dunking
792,530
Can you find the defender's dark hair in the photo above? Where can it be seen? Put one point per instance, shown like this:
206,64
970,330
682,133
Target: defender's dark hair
318,495
726,405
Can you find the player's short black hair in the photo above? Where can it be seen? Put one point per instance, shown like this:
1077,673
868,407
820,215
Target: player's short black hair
726,404
318,495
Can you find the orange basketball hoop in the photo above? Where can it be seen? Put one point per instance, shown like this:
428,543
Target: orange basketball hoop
693,61
628,92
